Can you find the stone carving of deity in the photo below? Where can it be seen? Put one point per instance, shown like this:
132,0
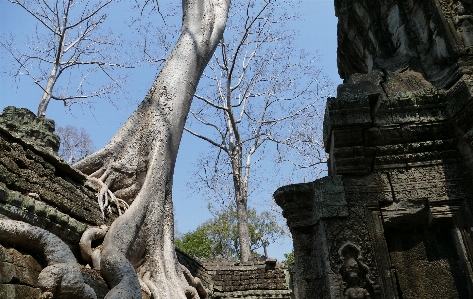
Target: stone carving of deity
352,278
353,273
464,24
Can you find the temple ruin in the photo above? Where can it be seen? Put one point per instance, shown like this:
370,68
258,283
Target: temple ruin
393,218
40,189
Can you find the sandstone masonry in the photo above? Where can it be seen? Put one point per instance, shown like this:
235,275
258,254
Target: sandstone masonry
393,218
39,188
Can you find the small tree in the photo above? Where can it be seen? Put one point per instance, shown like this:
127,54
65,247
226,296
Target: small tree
257,89
218,237
68,40
75,144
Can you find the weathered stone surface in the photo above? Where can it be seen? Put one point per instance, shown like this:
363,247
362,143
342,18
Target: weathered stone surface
16,291
28,170
18,268
407,126
425,36
18,207
19,275
306,204
400,139
25,125
256,280
427,264
37,187
253,294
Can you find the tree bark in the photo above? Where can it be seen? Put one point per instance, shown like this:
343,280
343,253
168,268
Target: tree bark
138,164
46,97
53,75
241,198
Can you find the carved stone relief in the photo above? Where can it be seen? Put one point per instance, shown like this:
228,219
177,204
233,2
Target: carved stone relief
400,139
354,273
463,23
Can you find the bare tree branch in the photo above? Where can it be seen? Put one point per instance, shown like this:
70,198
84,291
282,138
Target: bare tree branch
222,147
68,39
210,103
35,15
258,91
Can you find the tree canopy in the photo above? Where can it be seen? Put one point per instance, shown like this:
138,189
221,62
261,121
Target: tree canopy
217,238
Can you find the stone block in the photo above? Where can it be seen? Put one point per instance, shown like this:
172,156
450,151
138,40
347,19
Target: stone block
16,291
27,126
18,268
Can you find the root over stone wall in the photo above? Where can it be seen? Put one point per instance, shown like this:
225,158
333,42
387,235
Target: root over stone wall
39,188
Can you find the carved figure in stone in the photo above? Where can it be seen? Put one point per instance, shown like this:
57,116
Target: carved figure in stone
463,23
354,273
439,42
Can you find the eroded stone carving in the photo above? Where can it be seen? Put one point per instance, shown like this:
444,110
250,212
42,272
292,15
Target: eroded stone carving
440,48
400,139
354,273
463,23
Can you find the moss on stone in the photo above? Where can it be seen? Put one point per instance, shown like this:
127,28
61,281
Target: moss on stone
28,126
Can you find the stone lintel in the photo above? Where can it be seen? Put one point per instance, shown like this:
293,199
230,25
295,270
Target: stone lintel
305,204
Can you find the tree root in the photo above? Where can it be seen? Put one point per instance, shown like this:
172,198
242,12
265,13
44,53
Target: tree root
119,274
144,286
195,284
92,256
62,277
105,196
149,287
191,293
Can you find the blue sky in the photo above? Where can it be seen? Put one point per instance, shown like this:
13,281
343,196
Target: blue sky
317,32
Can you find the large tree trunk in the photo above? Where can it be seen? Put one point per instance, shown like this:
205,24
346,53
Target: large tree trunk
138,164
243,232
241,198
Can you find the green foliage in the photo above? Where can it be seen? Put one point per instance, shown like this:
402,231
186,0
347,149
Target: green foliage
218,237
196,244
289,257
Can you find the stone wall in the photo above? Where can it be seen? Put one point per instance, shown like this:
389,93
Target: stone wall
18,275
19,272
424,36
37,187
225,280
24,124
264,279
196,268
414,246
